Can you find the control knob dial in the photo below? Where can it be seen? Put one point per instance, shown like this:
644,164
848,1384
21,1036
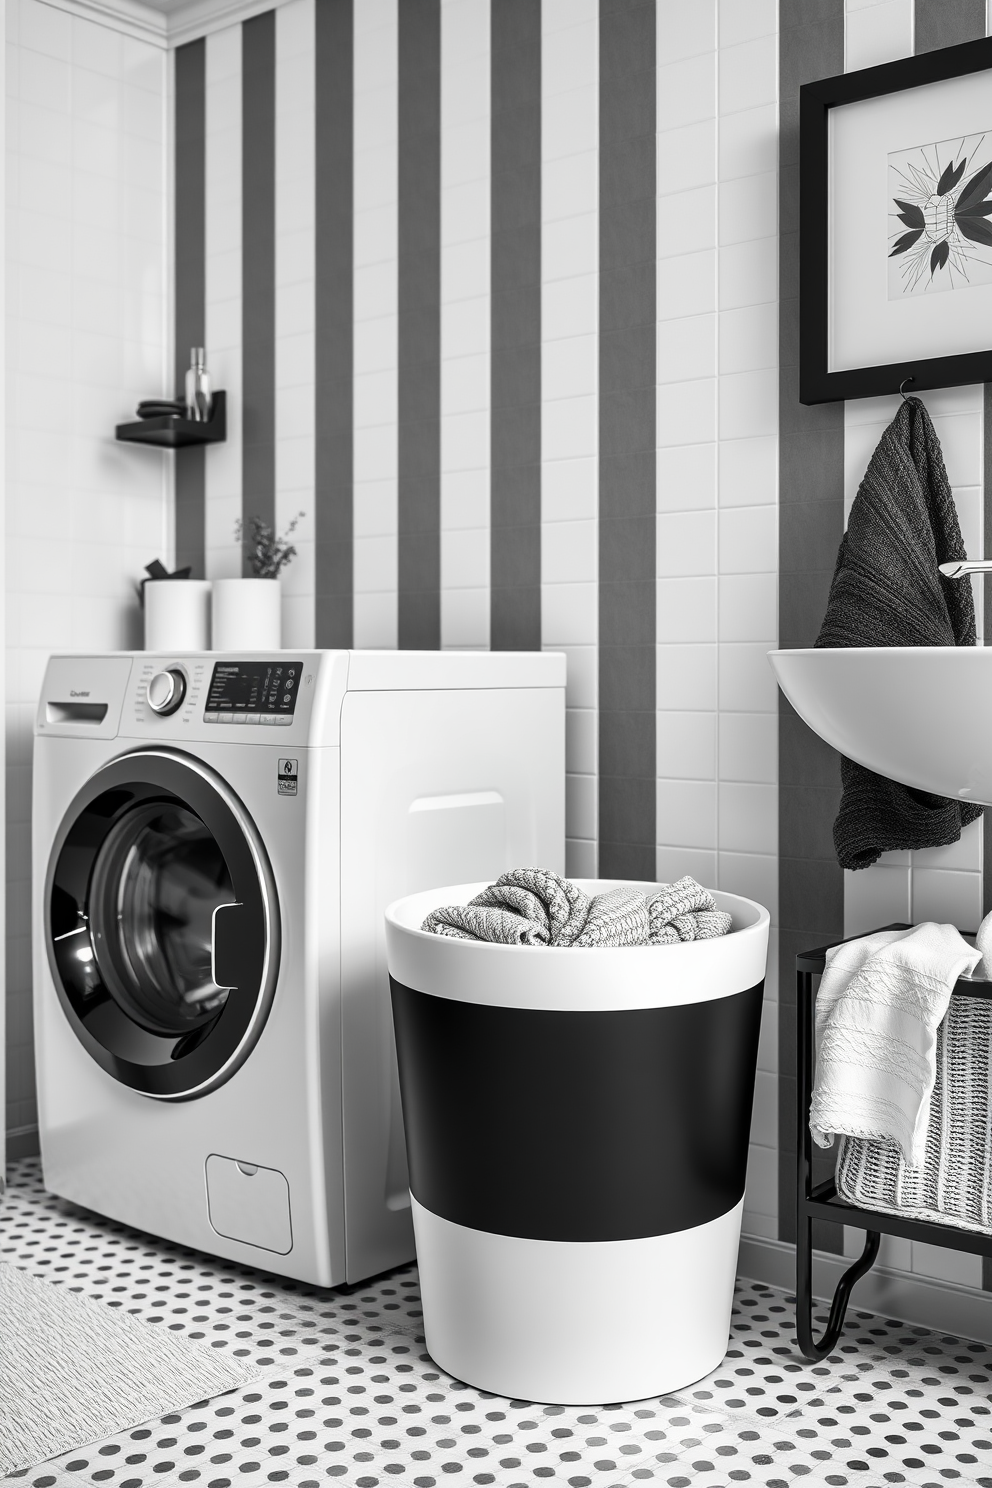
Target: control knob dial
166,691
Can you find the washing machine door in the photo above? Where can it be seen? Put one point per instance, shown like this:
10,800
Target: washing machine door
162,924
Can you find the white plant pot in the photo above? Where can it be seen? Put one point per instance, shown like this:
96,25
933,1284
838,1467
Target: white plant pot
177,614
247,615
577,1127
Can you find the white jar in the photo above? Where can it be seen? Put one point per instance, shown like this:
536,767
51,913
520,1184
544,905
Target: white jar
247,615
177,614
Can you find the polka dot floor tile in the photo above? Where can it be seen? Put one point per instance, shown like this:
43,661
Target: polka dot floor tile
763,1374
351,1396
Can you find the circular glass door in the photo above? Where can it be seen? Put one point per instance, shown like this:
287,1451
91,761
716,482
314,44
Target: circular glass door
161,924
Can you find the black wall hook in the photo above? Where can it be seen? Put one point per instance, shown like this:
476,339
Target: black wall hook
902,386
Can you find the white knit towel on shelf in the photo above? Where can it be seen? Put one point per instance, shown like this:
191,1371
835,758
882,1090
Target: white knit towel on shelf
880,1002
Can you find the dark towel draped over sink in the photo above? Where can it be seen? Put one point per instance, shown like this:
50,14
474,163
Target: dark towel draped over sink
887,591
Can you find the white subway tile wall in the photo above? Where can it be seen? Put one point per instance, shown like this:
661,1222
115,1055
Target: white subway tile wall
717,512
88,307
569,388
87,337
877,32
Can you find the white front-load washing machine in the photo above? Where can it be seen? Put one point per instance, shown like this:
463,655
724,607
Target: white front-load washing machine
215,838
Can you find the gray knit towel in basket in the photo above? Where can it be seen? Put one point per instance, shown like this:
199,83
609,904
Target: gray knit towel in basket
534,907
954,1183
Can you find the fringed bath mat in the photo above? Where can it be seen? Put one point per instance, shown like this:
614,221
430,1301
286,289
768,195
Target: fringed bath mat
73,1371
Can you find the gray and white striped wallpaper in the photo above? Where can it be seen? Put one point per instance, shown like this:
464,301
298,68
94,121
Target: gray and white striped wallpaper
503,293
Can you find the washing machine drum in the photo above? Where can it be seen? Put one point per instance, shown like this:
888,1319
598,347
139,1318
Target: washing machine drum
162,924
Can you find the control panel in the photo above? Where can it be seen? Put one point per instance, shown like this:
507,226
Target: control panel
246,692
183,697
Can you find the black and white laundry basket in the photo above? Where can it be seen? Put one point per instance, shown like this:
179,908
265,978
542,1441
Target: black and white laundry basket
577,1127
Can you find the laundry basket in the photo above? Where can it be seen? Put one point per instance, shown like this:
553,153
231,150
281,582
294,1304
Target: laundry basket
577,1132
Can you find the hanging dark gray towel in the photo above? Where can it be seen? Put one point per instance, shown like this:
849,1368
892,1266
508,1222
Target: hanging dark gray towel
887,591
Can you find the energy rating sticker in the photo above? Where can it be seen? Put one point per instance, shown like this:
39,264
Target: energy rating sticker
289,772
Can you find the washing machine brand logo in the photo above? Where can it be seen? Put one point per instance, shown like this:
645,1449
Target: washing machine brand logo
288,778
74,693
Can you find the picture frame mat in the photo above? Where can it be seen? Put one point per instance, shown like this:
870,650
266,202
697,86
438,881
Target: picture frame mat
865,327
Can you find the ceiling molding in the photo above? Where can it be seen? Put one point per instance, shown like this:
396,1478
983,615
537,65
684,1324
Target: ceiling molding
201,17
128,16
166,29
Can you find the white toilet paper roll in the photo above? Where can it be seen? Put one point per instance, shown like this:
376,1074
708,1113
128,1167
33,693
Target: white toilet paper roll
177,615
247,615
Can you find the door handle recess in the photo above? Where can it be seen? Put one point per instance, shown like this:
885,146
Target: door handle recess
237,948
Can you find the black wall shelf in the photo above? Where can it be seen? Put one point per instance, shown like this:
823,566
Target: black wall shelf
173,433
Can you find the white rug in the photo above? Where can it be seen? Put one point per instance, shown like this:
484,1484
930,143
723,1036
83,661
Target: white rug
74,1371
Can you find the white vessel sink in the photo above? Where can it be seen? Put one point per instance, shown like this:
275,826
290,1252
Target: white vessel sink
921,715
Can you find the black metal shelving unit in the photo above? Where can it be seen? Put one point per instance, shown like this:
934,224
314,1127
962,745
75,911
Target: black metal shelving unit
822,1202
168,432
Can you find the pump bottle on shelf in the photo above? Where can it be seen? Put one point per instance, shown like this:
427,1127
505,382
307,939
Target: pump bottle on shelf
198,397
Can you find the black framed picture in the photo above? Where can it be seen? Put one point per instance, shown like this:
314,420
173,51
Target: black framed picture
895,218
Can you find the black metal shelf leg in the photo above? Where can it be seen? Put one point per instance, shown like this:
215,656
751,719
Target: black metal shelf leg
811,1348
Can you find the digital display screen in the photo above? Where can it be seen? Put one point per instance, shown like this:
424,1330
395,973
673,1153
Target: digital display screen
268,687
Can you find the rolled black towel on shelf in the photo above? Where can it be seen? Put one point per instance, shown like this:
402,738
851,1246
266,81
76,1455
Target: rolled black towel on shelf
887,591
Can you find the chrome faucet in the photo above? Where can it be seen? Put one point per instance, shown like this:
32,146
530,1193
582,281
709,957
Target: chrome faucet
961,567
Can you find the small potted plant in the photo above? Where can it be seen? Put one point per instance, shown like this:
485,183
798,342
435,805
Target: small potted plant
247,612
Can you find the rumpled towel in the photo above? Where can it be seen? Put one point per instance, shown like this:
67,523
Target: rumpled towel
887,591
534,907
880,1002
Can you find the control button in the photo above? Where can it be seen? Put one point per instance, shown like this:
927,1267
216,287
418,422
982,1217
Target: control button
237,717
210,717
166,691
252,717
284,720
268,718
225,718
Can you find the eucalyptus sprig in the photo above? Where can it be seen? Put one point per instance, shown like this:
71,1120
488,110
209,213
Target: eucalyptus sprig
268,554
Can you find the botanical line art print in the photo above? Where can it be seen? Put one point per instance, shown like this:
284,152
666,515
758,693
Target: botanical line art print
940,206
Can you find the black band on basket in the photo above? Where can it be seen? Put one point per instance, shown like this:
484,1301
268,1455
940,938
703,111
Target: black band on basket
577,1126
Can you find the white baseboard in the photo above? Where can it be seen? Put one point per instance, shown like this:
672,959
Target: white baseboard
939,1305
